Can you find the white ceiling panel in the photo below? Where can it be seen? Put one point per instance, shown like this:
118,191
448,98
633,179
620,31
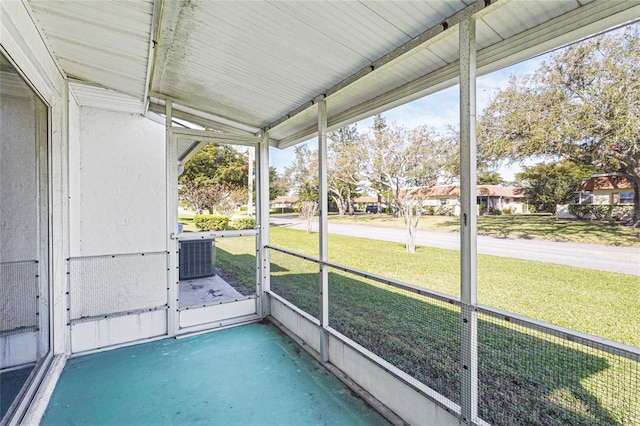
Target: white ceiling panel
102,42
244,66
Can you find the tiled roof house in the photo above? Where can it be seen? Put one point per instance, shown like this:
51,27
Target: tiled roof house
607,188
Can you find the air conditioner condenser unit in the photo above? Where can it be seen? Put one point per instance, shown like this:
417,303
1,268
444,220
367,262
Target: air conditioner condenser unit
197,259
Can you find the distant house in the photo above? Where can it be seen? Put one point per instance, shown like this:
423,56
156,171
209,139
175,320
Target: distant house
285,202
365,203
494,197
609,188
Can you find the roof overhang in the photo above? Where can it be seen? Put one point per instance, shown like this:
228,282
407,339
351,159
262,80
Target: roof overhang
241,68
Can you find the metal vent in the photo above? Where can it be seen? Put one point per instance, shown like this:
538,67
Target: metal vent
197,259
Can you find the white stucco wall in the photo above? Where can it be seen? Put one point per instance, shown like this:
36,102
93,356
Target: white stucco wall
602,197
18,181
117,184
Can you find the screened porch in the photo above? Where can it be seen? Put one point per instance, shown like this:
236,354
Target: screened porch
101,106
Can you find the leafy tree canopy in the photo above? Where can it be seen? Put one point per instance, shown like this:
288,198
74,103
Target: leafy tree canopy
344,168
489,178
582,104
214,178
278,186
554,183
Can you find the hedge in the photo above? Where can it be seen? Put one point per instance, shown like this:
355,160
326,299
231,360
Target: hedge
243,223
601,211
209,222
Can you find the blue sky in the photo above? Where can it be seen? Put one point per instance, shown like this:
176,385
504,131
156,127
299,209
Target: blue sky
437,111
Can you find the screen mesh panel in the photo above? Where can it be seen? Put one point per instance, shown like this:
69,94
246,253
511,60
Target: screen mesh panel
296,280
18,296
104,285
418,334
528,371
527,376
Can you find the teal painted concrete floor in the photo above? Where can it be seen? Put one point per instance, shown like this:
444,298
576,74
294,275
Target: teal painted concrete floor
10,384
248,375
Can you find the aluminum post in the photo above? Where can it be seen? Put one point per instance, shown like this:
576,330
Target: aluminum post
323,229
468,222
172,224
262,216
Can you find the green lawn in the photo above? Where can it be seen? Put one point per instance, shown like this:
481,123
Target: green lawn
537,226
187,222
594,302
534,377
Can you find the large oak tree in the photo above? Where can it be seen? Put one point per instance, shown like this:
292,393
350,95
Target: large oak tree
215,178
582,104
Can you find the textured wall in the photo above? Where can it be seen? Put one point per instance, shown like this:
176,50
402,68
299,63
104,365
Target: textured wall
117,184
18,187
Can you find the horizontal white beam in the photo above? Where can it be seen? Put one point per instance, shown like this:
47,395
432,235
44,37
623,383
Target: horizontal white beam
209,235
178,105
215,137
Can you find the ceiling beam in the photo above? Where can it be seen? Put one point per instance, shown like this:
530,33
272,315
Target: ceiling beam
203,118
215,137
156,18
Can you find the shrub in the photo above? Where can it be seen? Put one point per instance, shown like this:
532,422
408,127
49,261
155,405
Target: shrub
243,223
580,211
429,210
445,210
621,212
601,211
209,222
508,210
281,210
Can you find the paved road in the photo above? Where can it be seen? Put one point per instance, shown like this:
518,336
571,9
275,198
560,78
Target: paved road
589,256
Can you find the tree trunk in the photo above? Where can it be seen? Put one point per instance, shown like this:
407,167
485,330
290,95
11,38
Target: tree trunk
396,209
411,219
309,209
635,183
339,203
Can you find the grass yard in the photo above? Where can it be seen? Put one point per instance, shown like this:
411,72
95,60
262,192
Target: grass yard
594,302
536,226
187,222
534,378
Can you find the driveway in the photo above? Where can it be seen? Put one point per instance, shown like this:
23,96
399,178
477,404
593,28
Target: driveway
625,260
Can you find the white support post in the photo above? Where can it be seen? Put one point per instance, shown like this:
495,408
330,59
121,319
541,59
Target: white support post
172,224
252,154
262,215
468,222
323,229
